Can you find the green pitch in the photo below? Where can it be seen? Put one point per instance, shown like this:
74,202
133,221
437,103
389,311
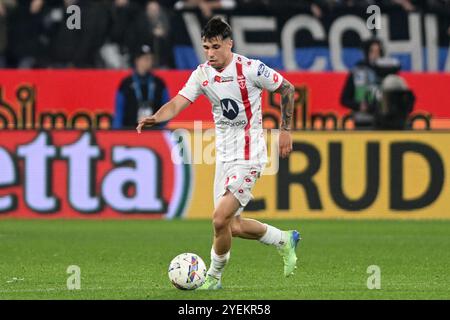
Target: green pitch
129,260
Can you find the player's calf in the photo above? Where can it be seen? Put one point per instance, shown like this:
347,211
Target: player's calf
220,252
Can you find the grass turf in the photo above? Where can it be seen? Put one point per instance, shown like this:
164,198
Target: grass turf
129,260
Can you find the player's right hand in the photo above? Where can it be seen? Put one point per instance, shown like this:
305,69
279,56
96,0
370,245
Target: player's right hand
147,121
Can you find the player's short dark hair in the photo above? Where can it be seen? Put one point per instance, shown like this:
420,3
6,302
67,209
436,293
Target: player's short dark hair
216,28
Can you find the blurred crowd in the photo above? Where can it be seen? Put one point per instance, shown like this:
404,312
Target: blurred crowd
33,33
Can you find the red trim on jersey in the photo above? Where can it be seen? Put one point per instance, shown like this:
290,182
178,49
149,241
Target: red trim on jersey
248,108
185,98
279,86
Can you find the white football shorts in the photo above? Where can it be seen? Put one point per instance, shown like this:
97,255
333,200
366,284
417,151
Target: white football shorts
238,178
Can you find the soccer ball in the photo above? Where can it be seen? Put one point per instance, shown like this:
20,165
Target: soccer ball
187,271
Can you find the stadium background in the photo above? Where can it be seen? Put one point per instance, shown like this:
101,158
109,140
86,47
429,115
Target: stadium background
60,159
61,100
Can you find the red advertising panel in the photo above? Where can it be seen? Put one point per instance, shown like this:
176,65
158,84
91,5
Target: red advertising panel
86,98
103,174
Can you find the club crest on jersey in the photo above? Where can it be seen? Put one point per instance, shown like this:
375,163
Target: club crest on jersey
230,108
241,81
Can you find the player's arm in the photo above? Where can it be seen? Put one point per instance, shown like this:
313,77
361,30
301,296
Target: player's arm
287,91
168,111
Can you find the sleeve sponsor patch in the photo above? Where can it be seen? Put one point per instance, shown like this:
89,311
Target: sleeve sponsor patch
261,69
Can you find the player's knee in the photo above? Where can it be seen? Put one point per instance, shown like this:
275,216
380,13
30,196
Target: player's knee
220,222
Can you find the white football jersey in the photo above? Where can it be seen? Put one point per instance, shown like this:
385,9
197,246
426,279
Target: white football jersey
235,94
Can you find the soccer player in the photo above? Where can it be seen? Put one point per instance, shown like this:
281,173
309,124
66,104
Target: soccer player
233,84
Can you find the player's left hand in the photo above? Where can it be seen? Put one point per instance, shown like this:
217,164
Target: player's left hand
285,143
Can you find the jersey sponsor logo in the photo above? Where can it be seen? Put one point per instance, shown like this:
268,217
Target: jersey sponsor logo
261,69
230,108
240,123
223,79
227,79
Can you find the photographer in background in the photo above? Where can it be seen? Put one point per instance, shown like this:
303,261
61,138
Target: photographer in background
395,103
363,84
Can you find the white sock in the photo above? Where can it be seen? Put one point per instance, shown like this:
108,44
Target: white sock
218,263
274,236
